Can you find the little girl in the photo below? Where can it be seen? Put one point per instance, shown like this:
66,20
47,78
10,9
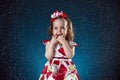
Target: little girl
60,50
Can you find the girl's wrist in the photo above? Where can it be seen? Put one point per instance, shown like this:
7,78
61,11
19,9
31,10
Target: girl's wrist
63,42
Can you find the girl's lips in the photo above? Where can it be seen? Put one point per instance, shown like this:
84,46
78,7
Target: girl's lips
56,36
59,34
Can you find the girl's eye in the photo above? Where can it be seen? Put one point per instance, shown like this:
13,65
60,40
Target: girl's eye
55,27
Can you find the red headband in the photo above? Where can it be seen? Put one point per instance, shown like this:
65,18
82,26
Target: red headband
57,14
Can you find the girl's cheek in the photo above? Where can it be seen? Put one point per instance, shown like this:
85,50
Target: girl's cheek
54,33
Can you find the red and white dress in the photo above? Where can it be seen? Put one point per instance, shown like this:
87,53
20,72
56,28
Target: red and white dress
60,67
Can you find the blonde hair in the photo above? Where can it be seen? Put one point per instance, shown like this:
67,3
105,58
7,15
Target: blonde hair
69,35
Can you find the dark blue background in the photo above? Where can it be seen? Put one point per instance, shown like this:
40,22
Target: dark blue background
24,24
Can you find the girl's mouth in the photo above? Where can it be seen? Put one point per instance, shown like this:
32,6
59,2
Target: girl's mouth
59,34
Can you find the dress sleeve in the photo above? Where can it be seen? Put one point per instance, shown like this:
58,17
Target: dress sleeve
45,42
72,43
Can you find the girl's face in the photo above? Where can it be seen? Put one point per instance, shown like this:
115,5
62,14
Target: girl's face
60,27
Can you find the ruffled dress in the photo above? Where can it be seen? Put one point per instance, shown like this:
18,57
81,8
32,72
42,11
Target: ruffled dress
60,67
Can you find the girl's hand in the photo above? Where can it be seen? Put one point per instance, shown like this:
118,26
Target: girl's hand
61,39
54,39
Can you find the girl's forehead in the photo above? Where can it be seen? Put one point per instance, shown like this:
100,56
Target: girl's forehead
60,21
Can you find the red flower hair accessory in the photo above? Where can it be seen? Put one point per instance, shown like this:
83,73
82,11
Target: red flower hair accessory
57,14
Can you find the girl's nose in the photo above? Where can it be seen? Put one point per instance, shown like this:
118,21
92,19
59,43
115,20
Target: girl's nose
59,31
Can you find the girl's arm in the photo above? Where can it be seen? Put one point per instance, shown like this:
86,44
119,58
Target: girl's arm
50,48
69,50
49,51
